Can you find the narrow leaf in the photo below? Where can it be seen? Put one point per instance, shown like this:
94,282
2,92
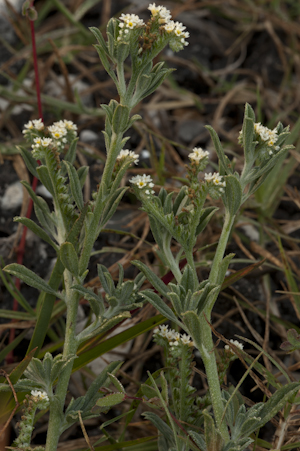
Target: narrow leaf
111,400
155,281
192,321
86,356
37,230
276,403
233,194
69,258
71,153
30,161
44,176
116,383
219,149
29,277
120,118
75,185
159,304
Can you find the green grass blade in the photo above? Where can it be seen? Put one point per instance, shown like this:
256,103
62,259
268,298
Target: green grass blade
139,444
12,289
276,364
11,314
46,308
11,346
111,343
292,283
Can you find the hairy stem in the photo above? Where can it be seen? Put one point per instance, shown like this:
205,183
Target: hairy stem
205,345
205,342
70,348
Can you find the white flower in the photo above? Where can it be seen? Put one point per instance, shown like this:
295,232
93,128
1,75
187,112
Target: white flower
216,179
45,142
164,15
169,26
37,142
179,27
128,153
170,335
208,177
36,124
57,130
267,135
163,330
154,9
174,343
39,395
186,339
130,21
139,181
70,125
143,181
176,336
236,343
161,11
198,154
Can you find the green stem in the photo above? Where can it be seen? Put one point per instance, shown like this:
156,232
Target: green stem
93,231
205,345
81,28
130,99
26,427
70,348
214,272
172,262
45,311
167,412
191,262
183,365
112,153
121,80
204,341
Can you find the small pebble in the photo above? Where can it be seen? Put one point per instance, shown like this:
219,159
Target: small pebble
42,191
188,130
13,197
88,136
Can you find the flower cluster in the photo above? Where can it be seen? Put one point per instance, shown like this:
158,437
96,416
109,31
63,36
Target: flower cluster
198,155
164,15
40,144
124,153
164,18
60,133
143,182
130,21
161,20
38,395
37,400
216,180
174,338
235,343
35,124
267,136
40,399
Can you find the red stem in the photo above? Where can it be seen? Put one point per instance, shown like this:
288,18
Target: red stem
21,246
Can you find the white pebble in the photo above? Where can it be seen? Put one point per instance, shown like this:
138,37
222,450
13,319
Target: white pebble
13,197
